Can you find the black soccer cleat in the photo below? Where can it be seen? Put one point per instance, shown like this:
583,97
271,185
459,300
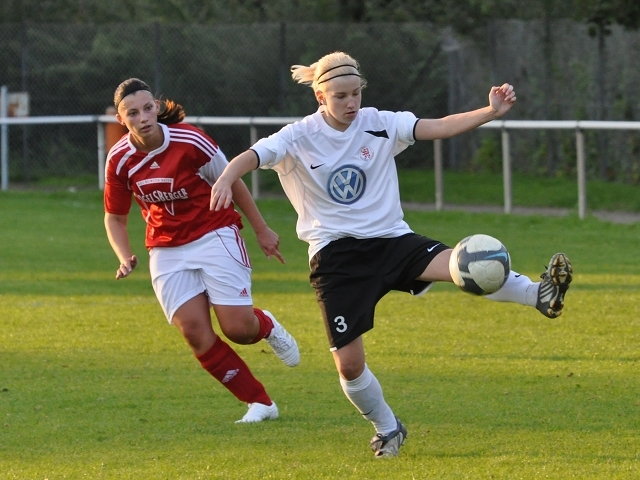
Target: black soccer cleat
385,446
555,283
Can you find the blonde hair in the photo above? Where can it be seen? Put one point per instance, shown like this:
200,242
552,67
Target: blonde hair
336,64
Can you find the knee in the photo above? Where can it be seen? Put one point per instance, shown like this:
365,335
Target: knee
198,339
242,331
350,370
199,335
239,336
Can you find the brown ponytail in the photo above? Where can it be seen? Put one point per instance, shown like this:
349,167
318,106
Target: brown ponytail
171,113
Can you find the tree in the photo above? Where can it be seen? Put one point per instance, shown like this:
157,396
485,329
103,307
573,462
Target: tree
600,15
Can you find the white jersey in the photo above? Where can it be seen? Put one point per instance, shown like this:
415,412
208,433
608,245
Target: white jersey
342,184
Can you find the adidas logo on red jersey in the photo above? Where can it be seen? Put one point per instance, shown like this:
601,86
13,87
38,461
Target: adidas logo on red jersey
154,165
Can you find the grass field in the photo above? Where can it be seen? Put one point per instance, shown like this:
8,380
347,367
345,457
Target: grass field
462,188
527,191
95,384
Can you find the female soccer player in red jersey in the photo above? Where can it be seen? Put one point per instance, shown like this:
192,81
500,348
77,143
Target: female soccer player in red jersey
337,167
197,257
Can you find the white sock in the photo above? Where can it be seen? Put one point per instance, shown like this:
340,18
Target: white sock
517,289
365,393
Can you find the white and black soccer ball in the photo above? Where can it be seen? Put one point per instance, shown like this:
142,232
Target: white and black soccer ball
479,264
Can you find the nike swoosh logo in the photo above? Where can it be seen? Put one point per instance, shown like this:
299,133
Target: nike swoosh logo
431,249
313,167
518,275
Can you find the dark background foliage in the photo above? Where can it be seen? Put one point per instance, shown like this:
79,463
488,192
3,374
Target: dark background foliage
568,59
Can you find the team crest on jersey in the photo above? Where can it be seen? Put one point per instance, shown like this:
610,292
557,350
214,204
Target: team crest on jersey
346,185
366,153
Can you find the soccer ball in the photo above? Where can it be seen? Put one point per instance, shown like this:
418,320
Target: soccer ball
479,264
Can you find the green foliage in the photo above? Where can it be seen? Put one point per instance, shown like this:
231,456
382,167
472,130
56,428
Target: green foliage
96,385
243,70
488,156
464,15
601,14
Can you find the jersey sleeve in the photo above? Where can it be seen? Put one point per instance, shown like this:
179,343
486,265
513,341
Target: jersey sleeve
272,150
211,170
117,195
404,123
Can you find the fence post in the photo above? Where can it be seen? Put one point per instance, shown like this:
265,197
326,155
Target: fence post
101,154
255,185
582,175
506,170
4,141
437,169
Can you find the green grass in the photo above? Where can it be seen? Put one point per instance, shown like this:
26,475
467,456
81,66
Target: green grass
460,188
95,384
527,191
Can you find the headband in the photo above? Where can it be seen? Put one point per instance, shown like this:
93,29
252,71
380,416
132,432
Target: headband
133,88
336,76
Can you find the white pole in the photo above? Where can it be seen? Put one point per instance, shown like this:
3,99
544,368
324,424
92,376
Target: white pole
582,175
506,170
255,182
101,154
4,141
437,170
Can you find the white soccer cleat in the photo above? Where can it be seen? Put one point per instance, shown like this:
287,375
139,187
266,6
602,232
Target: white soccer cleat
259,412
282,343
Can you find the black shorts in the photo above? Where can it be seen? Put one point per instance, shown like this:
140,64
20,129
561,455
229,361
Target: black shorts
350,276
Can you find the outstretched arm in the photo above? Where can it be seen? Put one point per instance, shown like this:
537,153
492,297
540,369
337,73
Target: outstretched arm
221,191
267,238
116,226
500,101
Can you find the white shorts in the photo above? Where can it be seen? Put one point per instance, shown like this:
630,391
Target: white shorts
217,263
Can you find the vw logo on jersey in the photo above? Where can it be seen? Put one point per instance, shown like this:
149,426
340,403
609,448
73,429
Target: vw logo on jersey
346,185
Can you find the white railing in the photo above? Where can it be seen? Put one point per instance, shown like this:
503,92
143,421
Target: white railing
506,126
577,125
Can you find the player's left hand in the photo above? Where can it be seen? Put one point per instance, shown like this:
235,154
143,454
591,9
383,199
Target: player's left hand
502,99
269,242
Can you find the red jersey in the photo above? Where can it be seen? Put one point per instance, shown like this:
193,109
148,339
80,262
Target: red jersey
172,185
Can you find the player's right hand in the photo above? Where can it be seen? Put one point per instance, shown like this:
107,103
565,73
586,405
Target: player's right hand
221,196
127,267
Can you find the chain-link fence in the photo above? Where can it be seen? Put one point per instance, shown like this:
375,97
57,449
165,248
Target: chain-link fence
243,70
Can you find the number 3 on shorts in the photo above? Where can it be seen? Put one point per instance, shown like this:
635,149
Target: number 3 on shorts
341,326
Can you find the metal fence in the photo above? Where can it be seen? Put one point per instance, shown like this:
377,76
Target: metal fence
253,123
243,70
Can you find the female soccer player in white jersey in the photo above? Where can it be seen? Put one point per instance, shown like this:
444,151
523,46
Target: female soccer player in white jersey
337,168
197,256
